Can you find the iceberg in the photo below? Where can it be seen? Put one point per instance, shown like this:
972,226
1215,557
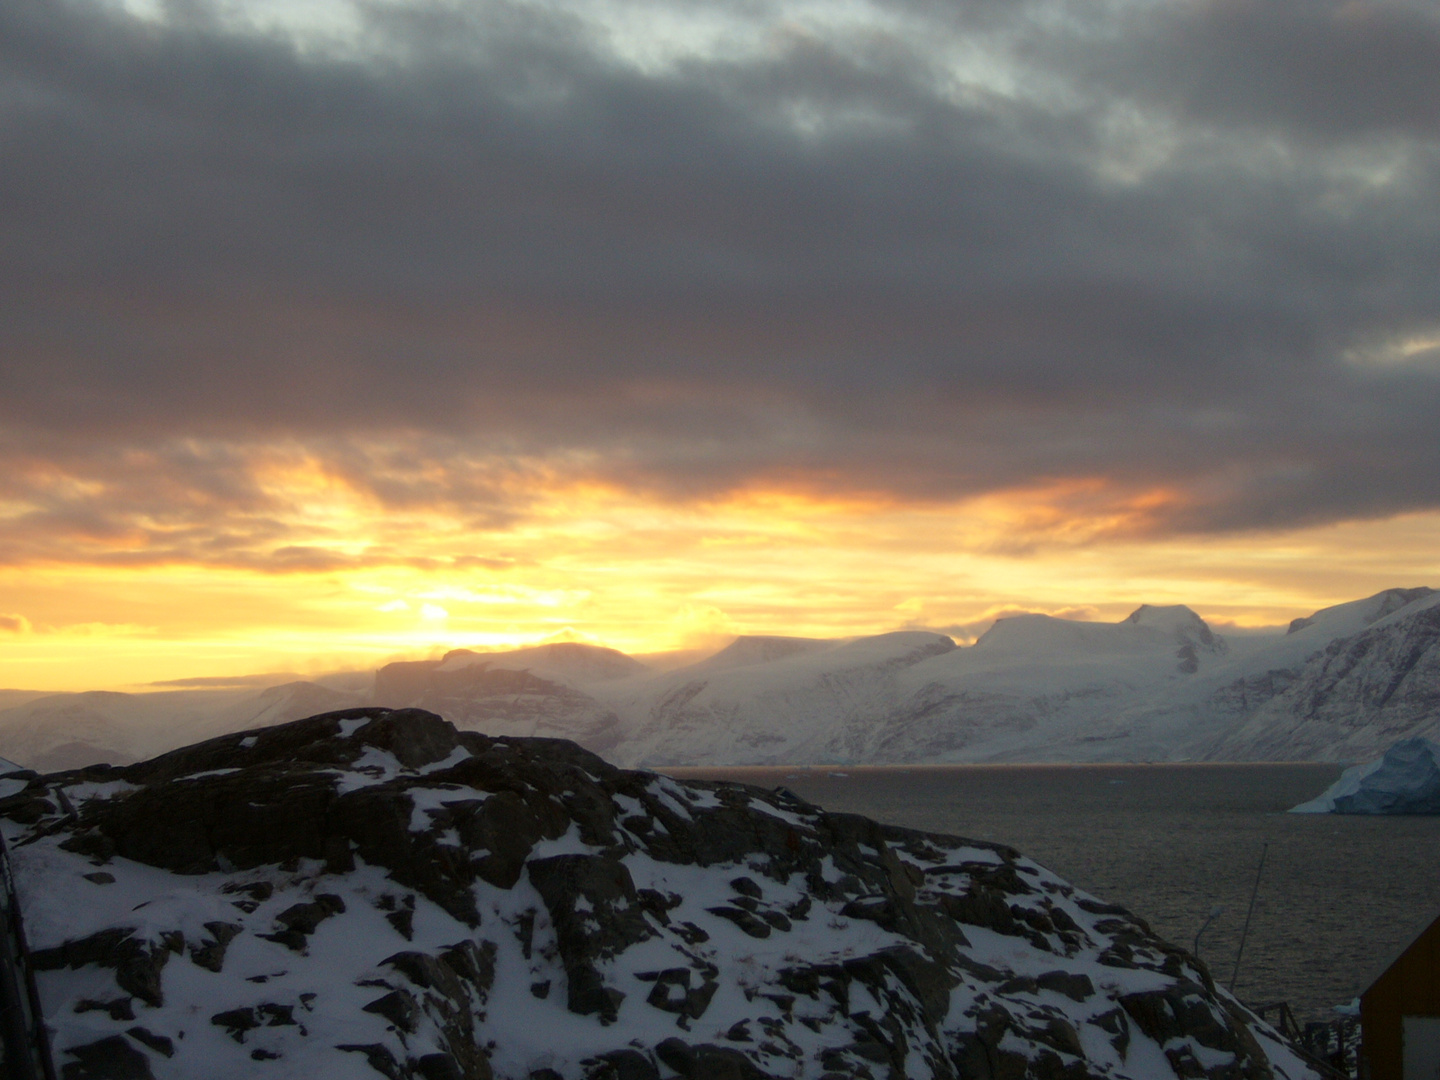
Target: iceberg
1405,781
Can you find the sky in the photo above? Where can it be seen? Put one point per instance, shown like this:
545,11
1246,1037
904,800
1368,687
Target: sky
333,333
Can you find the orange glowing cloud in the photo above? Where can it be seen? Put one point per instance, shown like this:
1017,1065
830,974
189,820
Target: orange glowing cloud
293,562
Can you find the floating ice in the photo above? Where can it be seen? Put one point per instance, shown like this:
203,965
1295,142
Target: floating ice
1405,781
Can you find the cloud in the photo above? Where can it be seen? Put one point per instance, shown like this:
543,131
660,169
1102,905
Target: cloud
14,624
281,507
1333,69
472,254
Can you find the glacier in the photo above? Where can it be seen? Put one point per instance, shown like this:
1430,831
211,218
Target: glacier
1405,781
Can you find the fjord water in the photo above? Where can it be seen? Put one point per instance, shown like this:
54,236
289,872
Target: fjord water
1339,898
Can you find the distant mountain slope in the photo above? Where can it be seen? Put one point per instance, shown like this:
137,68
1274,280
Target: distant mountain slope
1159,685
63,731
563,662
539,691
60,731
1355,697
1040,688
11,698
750,649
813,702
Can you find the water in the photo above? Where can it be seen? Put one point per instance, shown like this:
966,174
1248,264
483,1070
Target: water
1339,898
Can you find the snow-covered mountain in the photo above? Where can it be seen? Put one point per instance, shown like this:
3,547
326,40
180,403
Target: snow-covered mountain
1353,697
1160,685
754,701
63,731
542,691
372,893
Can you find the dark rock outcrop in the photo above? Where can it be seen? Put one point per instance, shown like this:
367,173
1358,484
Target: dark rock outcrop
428,903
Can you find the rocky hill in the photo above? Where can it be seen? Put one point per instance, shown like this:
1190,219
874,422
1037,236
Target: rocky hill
373,891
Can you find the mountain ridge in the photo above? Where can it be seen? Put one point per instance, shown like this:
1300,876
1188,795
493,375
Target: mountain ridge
1160,684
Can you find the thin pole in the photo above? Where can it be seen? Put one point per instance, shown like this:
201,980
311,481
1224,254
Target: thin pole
1235,971
1215,913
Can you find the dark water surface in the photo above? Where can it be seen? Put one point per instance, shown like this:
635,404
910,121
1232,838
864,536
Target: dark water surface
1339,898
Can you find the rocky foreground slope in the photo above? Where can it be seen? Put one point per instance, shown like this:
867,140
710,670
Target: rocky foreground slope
373,891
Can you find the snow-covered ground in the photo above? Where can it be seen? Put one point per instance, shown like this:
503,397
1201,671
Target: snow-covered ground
375,891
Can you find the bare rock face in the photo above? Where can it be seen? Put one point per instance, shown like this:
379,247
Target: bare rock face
374,891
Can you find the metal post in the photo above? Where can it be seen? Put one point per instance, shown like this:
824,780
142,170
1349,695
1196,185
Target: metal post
1245,933
1215,913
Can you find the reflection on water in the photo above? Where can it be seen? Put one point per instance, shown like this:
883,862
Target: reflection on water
1339,898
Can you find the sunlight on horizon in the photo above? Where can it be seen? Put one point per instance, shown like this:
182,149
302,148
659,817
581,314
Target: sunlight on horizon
643,576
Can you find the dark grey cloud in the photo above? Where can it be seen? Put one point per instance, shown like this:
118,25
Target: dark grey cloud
1175,254
1334,69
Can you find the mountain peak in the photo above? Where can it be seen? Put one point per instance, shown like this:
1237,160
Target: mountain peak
762,649
554,659
1364,612
1191,632
1166,617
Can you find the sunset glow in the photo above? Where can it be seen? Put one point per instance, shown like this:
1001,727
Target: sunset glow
337,580
337,332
